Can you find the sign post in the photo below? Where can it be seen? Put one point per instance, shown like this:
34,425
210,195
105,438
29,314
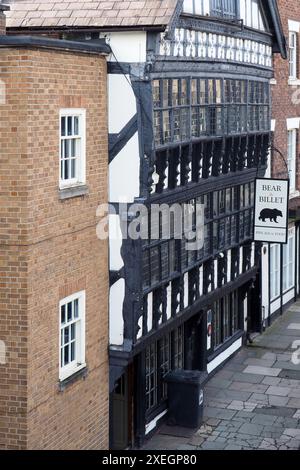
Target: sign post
271,217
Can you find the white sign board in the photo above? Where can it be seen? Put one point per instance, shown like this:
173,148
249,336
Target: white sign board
271,210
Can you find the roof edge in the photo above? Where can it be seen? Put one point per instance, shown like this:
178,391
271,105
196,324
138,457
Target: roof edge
278,29
98,46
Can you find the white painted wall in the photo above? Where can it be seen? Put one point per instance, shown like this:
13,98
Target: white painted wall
124,173
127,46
115,243
121,102
116,325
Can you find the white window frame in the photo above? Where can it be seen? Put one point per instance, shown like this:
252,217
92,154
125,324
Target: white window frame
293,62
79,363
80,177
274,271
288,264
292,157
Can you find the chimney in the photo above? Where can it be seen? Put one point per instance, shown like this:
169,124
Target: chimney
3,8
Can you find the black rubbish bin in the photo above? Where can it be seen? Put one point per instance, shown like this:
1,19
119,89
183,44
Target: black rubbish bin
185,397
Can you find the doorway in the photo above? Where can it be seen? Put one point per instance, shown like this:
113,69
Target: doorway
119,414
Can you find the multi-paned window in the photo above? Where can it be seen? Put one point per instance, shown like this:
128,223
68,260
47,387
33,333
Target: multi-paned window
224,8
191,108
72,147
288,271
275,271
291,157
161,357
72,335
226,220
226,319
251,14
293,63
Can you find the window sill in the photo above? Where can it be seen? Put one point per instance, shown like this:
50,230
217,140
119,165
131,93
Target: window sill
294,82
273,81
79,374
73,191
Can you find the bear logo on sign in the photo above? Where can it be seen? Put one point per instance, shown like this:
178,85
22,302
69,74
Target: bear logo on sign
271,214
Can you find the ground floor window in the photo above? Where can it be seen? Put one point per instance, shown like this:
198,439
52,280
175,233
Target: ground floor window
161,357
226,318
275,271
288,271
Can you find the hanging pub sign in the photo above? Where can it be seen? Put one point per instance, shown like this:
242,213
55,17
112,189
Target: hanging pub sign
271,210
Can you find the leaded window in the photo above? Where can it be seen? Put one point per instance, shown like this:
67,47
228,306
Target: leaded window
191,108
226,218
226,319
161,357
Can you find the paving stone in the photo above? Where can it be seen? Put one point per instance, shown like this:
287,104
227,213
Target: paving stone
275,411
278,401
213,422
252,361
248,387
249,378
196,441
292,433
294,393
213,446
294,326
234,395
271,380
293,403
278,391
219,383
220,414
259,370
264,420
297,415
269,356
252,429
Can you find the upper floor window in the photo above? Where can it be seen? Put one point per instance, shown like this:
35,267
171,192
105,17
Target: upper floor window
72,335
224,8
250,13
189,108
248,10
72,147
293,55
195,7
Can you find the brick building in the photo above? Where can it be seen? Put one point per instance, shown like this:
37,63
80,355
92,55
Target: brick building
189,124
280,263
53,268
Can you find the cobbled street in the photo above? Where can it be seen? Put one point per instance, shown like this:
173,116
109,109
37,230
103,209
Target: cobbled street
253,402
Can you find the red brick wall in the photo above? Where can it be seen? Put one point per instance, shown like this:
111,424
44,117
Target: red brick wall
50,250
283,96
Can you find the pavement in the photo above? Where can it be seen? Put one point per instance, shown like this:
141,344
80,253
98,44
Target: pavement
253,402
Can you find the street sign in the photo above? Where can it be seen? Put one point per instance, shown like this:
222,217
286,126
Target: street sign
271,210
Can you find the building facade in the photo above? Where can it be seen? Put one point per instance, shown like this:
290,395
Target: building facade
54,269
280,263
189,124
